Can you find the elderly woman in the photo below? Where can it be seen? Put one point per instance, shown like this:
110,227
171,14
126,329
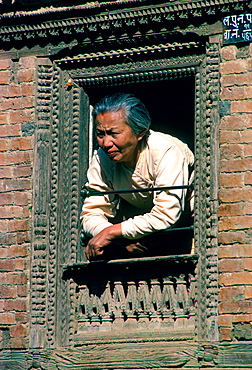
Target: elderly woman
131,156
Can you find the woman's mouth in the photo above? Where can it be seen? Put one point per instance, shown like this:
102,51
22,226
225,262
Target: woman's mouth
111,154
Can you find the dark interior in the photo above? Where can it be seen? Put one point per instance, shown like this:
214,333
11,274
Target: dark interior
170,104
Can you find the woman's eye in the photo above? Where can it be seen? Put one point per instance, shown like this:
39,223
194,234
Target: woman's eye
100,134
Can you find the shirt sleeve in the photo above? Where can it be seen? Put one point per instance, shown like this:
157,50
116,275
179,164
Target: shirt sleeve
98,209
172,169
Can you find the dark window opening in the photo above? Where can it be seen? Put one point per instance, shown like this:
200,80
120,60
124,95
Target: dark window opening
170,104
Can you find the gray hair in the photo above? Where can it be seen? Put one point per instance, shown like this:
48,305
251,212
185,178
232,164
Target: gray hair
136,114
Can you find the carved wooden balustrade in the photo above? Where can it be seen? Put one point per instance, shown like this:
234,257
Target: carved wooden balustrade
138,295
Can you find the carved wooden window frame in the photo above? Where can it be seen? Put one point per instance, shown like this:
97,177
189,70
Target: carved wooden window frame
49,292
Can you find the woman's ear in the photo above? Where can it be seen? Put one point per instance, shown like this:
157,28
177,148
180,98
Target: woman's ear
141,135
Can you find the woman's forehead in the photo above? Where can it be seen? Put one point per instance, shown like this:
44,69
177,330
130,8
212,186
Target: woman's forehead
111,119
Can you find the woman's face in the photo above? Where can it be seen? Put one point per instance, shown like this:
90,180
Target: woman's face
116,138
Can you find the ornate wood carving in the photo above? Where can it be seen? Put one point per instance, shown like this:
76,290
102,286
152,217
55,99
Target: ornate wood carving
41,210
136,296
115,26
60,168
206,151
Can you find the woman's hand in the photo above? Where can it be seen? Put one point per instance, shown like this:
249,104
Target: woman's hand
136,248
96,245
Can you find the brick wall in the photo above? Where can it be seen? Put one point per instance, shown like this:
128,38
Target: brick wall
17,125
235,194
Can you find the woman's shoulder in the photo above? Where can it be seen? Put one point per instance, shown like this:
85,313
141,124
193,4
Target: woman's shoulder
159,144
160,141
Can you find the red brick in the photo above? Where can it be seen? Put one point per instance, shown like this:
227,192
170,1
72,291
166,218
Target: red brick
232,237
248,264
231,180
4,77
16,184
5,199
235,250
15,305
20,198
229,52
236,122
22,143
225,334
3,145
21,317
248,208
236,165
9,130
18,343
7,318
15,157
230,137
247,194
4,252
248,92
233,93
230,151
22,290
6,172
4,91
230,293
13,278
241,106
231,209
236,307
230,265
248,150
21,116
234,223
23,237
22,171
25,75
2,305
11,103
27,89
249,119
225,320
249,64
8,238
18,251
14,212
28,102
233,66
236,278
5,63
14,90
248,292
231,195
27,62
7,265
4,226
18,331
3,119
20,264
17,225
7,291
247,250
236,79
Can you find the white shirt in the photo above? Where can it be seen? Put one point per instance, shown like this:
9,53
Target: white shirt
164,161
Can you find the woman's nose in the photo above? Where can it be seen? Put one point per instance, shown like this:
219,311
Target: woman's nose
107,142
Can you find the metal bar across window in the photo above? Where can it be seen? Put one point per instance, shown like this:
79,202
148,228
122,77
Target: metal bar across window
88,193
